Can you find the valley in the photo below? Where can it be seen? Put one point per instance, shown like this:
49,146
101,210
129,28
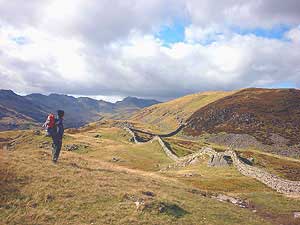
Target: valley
136,172
23,112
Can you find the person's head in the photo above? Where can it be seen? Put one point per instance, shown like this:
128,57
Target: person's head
60,113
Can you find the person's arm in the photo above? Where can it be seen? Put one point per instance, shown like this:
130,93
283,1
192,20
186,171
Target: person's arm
60,129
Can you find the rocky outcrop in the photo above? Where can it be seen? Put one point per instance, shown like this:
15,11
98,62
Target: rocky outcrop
220,159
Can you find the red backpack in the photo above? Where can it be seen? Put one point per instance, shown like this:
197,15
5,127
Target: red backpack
51,119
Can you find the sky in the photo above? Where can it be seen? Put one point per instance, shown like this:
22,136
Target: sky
158,49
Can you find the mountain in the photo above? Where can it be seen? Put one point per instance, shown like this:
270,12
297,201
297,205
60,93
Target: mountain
19,112
135,102
168,115
20,105
266,114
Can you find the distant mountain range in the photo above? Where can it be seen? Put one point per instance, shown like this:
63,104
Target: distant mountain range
21,112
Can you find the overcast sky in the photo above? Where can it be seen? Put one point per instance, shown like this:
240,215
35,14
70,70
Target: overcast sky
155,48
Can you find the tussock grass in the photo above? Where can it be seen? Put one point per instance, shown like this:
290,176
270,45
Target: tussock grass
81,190
88,187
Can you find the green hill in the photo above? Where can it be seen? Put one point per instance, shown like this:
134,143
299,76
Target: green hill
167,116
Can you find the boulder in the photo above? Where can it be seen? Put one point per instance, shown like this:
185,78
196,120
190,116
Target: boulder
72,147
220,160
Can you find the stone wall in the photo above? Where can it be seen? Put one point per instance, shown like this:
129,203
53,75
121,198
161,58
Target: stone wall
168,151
161,135
272,181
279,184
134,138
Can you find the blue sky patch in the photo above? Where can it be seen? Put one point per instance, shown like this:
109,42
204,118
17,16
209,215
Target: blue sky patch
20,40
172,33
276,32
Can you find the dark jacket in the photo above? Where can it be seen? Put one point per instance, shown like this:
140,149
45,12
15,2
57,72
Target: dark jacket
59,128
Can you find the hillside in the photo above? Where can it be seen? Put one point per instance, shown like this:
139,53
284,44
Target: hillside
269,115
167,116
20,112
107,179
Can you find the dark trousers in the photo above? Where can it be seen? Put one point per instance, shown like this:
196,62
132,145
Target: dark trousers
56,147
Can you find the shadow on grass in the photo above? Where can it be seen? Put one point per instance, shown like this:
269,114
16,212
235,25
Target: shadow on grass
172,210
168,145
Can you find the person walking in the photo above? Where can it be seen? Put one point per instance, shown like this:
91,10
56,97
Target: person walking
55,129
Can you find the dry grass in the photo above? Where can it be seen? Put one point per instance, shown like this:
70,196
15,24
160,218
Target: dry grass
88,187
79,190
166,116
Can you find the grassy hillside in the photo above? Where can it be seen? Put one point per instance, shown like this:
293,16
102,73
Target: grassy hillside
110,180
269,115
82,190
167,116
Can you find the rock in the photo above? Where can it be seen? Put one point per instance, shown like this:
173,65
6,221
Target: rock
251,160
188,175
296,214
72,147
235,201
115,159
162,208
148,193
220,160
139,204
44,144
97,136
37,132
49,198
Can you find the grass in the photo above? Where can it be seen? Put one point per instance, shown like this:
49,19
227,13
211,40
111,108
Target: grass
80,190
182,147
217,179
165,116
100,184
114,146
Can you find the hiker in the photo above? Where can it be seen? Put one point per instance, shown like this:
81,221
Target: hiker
55,129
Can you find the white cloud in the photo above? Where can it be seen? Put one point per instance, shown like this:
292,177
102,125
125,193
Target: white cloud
294,34
98,48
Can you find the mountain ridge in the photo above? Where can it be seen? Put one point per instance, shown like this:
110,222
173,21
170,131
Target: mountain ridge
271,116
79,111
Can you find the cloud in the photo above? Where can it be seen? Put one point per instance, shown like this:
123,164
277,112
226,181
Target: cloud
254,13
99,48
293,34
